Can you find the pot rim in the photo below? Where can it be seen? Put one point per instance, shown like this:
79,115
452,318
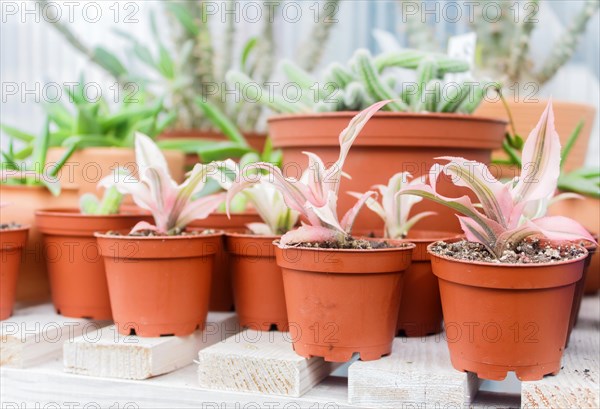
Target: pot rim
250,236
36,187
74,213
510,265
403,246
22,227
384,114
218,233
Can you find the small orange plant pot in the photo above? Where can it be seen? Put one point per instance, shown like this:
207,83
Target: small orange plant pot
341,302
420,307
12,242
221,292
506,317
76,269
159,285
257,282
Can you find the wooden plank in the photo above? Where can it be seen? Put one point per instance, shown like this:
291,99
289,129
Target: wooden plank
49,386
578,383
106,353
417,373
36,334
260,362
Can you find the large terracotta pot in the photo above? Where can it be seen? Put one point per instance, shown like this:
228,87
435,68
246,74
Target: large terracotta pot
506,317
586,212
159,285
88,166
257,282
526,116
420,307
76,270
255,140
341,302
391,142
221,293
12,242
33,284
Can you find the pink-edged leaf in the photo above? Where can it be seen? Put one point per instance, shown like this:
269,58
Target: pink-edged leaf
126,184
314,177
141,226
200,208
562,228
308,234
294,193
541,161
495,198
565,196
476,233
350,216
163,195
512,237
462,205
372,204
147,154
347,137
326,215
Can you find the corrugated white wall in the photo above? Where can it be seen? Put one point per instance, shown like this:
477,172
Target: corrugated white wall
33,54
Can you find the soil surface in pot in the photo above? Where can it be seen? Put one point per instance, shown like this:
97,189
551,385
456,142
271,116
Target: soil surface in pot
9,226
151,233
350,244
528,251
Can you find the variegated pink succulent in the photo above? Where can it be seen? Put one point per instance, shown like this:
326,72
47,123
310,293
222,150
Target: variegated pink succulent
510,211
395,208
171,205
315,195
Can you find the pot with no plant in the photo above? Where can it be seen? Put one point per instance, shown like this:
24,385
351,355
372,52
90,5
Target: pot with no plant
257,279
507,290
13,238
75,267
420,307
342,293
159,275
28,180
427,118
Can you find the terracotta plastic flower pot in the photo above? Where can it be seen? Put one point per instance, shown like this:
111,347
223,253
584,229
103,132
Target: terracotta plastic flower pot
341,302
76,270
159,285
592,279
257,282
33,284
506,317
88,166
391,142
526,115
420,307
255,140
586,212
579,289
221,292
12,242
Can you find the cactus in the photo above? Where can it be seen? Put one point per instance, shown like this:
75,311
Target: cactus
426,72
376,88
452,97
361,83
110,203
